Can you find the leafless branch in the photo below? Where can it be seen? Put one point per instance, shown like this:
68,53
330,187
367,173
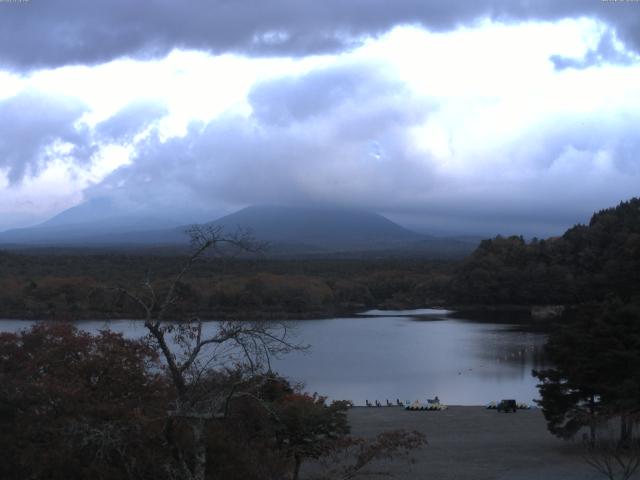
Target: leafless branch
613,460
198,397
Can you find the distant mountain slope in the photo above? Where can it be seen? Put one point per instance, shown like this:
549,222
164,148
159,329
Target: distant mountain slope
319,227
87,211
94,222
291,231
98,231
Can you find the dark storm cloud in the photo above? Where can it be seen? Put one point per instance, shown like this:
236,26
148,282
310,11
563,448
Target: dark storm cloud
59,32
34,127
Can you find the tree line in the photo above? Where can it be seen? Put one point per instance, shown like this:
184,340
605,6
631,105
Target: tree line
588,262
71,287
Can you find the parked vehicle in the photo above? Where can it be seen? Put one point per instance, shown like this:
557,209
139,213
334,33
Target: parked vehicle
507,406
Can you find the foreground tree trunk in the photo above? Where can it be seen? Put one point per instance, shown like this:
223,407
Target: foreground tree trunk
592,423
183,346
296,467
626,431
199,448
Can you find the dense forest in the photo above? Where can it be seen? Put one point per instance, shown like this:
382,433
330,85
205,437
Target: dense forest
589,262
73,286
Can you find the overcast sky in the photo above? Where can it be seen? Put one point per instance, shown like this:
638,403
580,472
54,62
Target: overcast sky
478,116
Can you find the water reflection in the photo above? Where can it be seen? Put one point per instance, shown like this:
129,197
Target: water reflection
462,362
382,357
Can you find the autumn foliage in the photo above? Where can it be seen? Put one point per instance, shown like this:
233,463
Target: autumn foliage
73,405
76,406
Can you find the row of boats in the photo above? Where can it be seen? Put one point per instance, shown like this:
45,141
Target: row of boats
435,405
519,405
430,404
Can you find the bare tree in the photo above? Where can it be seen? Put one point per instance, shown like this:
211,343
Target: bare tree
613,458
194,353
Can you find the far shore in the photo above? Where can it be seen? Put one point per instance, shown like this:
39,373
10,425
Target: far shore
474,443
513,314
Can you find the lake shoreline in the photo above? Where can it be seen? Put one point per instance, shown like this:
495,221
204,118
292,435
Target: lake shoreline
205,316
512,314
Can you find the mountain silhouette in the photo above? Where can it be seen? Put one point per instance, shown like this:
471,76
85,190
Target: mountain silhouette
288,230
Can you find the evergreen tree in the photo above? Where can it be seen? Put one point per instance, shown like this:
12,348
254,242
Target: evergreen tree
596,374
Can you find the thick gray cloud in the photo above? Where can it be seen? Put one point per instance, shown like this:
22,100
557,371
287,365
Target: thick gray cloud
287,100
128,122
38,129
559,173
605,52
335,150
59,32
328,137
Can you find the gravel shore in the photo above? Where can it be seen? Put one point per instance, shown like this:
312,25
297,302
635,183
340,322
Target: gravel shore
476,444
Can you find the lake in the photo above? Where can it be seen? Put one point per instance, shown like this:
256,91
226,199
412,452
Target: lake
409,355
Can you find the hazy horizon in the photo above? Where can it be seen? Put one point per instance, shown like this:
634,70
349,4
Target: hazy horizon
83,216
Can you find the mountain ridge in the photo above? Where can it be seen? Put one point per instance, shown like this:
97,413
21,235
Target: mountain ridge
295,230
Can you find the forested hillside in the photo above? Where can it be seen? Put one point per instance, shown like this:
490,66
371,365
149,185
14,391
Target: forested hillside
589,262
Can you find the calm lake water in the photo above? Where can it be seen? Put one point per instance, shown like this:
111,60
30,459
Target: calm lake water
410,355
